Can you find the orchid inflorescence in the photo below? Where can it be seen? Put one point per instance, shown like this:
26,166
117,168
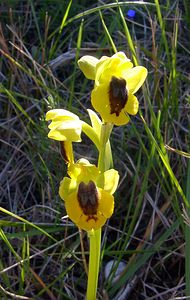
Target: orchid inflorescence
88,191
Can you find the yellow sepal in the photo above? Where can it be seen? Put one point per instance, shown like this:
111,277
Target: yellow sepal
87,64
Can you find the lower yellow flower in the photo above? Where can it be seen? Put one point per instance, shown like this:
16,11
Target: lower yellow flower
88,194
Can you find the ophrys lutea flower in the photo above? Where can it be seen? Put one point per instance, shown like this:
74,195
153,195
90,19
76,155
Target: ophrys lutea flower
116,82
88,194
65,127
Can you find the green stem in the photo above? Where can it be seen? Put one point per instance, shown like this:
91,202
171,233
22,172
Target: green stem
104,162
94,262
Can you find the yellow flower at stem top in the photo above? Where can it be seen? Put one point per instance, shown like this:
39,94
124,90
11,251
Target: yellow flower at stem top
116,82
88,194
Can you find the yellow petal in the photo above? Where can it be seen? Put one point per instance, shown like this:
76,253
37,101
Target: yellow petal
106,69
96,122
112,66
115,68
66,131
124,67
123,119
88,224
67,187
108,181
72,208
106,203
100,102
100,99
121,55
87,64
61,124
59,114
82,170
135,78
132,105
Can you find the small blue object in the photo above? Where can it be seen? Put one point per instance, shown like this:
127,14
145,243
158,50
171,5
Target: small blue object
131,13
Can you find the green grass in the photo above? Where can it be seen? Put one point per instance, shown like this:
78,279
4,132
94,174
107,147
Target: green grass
41,255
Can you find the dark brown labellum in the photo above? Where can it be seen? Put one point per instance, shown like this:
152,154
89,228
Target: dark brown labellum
88,198
118,95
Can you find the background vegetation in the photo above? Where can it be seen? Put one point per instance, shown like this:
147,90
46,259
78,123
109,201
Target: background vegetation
42,255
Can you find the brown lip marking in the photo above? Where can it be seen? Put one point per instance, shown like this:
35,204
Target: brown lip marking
87,196
118,95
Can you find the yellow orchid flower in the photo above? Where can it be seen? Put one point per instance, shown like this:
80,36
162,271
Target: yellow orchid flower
65,125
88,194
116,82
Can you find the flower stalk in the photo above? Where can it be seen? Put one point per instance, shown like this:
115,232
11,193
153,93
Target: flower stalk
104,163
94,263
